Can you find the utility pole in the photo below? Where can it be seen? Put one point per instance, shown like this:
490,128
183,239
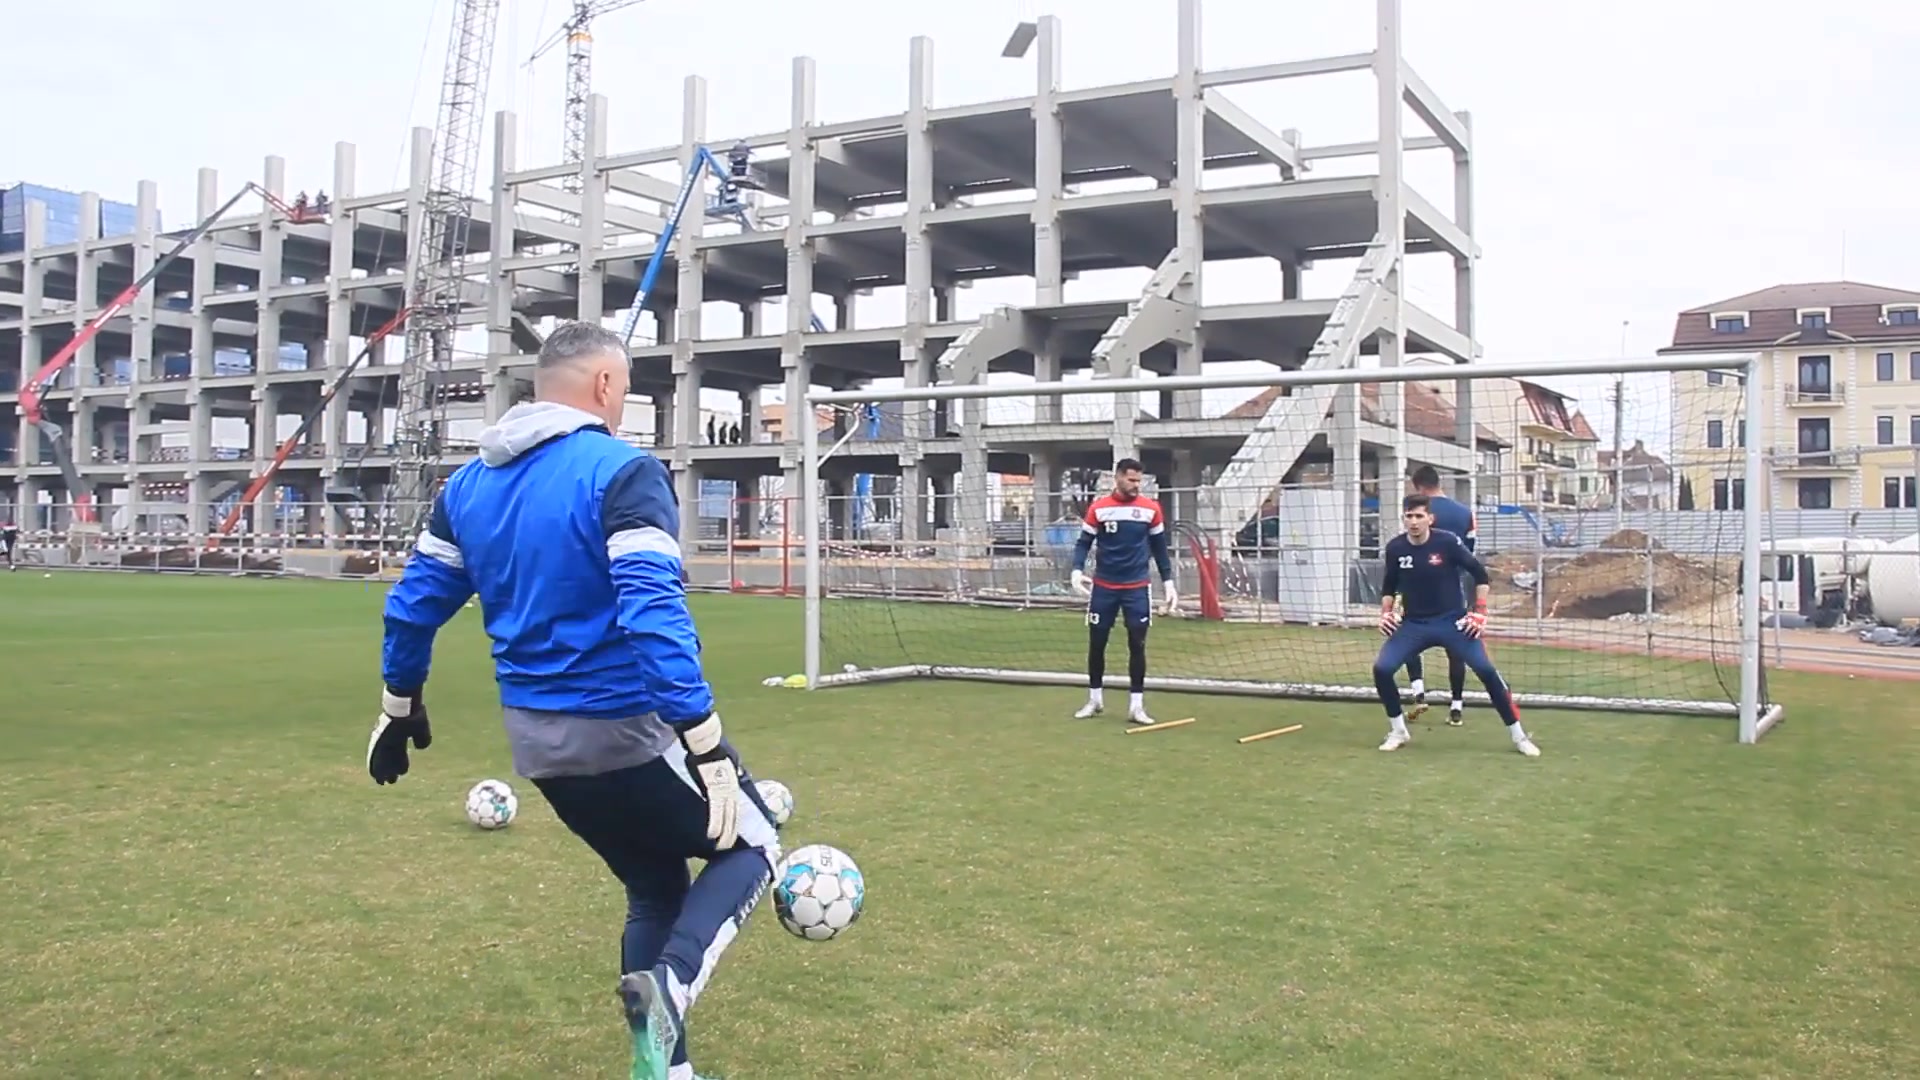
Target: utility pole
1619,429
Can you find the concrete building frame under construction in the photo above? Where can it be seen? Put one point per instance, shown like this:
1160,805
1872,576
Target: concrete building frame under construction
844,207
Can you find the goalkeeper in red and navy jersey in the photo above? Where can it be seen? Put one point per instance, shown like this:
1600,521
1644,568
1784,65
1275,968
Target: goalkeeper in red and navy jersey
1123,530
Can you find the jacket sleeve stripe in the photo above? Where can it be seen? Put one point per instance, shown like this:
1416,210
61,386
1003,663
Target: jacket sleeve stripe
645,540
433,547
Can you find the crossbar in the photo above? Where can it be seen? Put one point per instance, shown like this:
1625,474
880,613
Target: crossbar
1741,362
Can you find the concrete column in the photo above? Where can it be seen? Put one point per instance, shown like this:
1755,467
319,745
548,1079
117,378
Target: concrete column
593,215
325,354
84,368
501,350
1189,163
1391,228
1463,296
916,357
1049,282
796,366
690,284
273,240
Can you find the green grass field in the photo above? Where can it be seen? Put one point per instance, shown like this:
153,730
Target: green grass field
198,879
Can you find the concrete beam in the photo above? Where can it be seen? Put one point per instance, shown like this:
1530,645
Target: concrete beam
1367,149
1291,69
1274,149
568,202
1427,106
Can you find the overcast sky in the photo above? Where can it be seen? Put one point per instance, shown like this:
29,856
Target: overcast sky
1634,158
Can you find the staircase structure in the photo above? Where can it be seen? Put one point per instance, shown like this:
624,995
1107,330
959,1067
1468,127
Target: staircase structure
1292,421
1153,317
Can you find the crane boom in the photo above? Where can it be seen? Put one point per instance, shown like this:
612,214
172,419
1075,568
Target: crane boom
33,391
577,33
438,275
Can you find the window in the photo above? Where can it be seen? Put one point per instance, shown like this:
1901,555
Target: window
1903,316
1883,430
1816,442
1740,436
1913,366
1816,375
1816,494
1715,378
1883,367
1716,433
1913,431
1729,324
1898,493
1813,320
1729,494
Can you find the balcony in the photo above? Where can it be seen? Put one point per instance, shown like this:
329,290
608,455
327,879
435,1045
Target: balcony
1818,461
1812,395
1548,459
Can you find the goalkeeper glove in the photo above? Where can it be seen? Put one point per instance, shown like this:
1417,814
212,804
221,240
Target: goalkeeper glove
713,766
403,717
1474,625
1080,583
1173,598
1389,621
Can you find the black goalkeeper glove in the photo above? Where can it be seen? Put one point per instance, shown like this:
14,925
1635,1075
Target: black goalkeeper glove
402,717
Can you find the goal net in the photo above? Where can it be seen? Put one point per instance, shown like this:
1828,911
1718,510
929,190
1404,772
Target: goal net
1611,512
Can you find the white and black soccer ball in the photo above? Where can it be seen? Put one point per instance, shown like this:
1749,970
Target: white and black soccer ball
818,892
778,800
492,804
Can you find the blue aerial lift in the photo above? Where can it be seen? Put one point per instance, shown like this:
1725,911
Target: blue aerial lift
735,177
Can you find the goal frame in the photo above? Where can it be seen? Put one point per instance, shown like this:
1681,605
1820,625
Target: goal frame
1755,715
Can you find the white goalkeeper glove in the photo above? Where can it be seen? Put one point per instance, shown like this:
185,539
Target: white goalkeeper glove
1173,598
711,763
1081,584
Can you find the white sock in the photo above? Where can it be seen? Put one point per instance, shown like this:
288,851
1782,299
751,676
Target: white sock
1457,706
1094,696
1136,703
1419,689
1519,734
1398,723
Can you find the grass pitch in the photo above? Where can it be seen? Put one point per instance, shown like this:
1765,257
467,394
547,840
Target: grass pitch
198,879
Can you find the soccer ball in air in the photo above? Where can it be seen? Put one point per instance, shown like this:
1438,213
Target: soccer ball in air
818,892
492,805
778,800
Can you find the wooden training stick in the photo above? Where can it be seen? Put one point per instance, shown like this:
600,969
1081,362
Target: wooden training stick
1161,726
1270,734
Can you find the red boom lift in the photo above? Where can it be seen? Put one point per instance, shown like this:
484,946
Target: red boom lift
33,392
312,417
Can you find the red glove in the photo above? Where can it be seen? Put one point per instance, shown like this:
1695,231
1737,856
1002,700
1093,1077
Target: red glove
1389,621
1475,624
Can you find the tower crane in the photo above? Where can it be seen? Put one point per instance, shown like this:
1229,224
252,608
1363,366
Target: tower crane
438,276
577,33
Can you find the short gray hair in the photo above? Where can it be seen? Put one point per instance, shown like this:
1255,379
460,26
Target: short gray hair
577,341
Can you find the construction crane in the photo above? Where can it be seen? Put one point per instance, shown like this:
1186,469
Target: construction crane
577,32
34,391
437,285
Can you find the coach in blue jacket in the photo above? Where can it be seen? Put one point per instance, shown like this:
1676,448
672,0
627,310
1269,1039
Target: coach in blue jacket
570,539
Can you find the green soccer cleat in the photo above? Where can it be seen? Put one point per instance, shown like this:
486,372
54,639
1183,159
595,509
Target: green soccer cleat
650,1019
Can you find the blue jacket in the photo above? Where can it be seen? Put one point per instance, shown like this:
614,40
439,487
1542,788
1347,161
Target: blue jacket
569,537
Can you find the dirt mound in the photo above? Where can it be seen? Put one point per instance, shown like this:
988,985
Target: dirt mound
1607,583
190,558
1630,540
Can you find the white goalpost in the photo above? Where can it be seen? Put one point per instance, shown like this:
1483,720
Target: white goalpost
1626,569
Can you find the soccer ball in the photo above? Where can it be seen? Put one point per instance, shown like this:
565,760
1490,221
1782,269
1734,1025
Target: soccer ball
492,805
779,800
818,892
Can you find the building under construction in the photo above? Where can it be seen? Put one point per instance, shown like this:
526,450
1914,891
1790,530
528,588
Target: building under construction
254,322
